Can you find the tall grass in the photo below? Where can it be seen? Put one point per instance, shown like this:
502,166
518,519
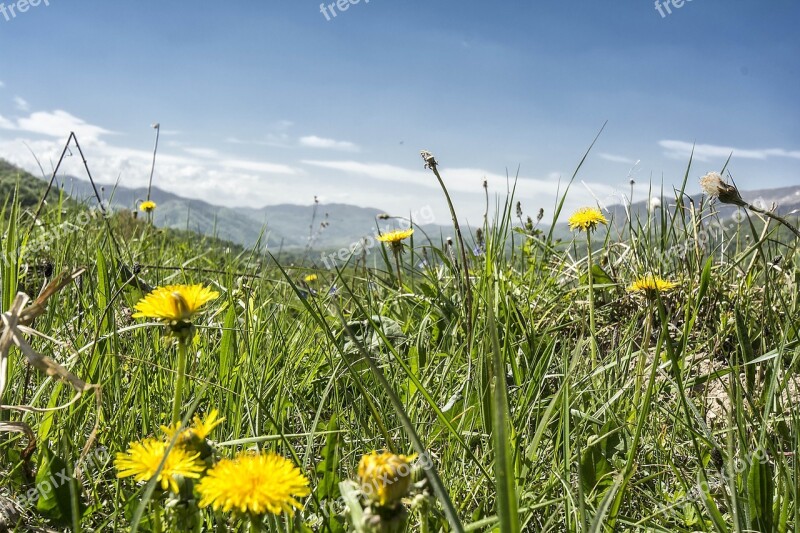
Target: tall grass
685,421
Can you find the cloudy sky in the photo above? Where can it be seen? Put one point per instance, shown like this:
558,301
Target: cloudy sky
265,102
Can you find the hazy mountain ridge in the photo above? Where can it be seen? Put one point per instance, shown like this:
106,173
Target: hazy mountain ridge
785,200
288,226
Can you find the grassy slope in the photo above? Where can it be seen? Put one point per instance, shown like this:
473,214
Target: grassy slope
609,440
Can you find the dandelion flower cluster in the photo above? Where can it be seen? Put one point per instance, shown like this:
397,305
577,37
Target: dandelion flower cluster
254,484
586,219
174,302
385,477
650,285
147,206
142,459
396,237
199,429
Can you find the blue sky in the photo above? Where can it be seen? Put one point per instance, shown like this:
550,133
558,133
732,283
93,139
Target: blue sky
264,102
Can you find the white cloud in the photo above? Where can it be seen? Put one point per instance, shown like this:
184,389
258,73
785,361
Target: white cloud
21,104
2,84
258,166
193,172
468,183
312,141
706,152
222,178
379,171
274,140
59,124
228,182
207,153
617,159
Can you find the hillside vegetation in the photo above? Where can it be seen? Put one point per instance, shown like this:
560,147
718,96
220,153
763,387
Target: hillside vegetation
649,385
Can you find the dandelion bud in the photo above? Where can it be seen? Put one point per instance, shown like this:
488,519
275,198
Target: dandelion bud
385,477
430,161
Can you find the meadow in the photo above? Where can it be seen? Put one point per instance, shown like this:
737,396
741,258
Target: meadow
638,377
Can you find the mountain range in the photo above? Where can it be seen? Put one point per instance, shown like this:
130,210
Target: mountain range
290,227
286,227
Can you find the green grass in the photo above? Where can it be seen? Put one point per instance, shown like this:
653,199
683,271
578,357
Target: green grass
686,420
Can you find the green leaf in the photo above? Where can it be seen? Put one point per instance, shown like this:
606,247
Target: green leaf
600,278
507,503
594,469
328,468
761,489
55,485
227,348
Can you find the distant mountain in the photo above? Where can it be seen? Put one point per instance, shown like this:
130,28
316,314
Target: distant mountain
786,200
285,226
289,227
15,181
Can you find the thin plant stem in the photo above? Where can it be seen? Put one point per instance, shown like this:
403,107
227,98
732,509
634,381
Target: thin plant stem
644,413
423,518
153,167
158,526
776,217
467,289
640,364
397,264
592,329
180,377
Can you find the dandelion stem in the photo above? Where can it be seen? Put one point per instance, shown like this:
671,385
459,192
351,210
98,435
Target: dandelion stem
256,525
640,364
158,526
591,300
397,264
179,379
644,413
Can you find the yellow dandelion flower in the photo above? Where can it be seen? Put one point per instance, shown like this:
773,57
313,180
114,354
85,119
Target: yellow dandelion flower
310,278
147,206
200,428
174,303
385,477
651,284
586,219
255,484
396,236
142,459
